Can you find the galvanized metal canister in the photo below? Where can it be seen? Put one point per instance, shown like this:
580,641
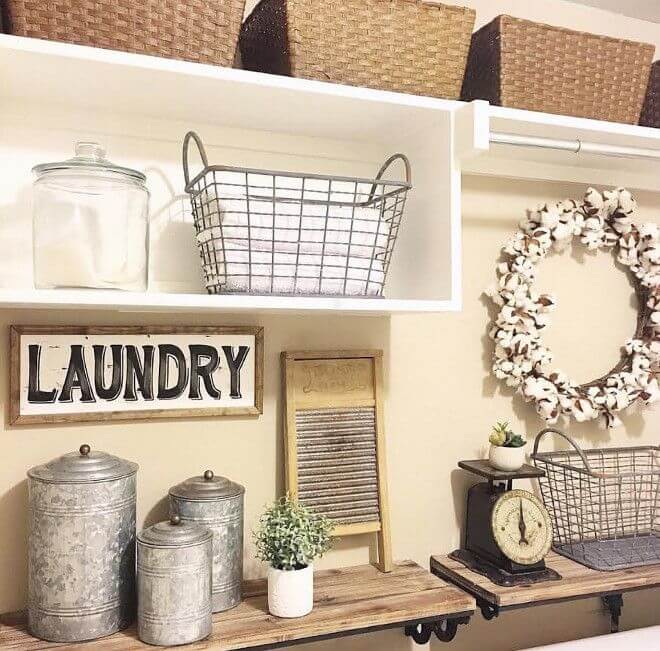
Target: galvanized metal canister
217,503
81,546
174,567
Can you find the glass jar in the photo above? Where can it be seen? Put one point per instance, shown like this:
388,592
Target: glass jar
90,223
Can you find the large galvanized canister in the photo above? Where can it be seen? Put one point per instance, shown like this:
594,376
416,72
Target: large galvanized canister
217,503
81,547
174,568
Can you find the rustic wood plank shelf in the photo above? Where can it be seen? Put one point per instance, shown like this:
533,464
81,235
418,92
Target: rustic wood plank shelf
347,601
578,582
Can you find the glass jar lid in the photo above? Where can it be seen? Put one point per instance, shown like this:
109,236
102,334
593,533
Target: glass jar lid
83,467
89,156
174,533
207,487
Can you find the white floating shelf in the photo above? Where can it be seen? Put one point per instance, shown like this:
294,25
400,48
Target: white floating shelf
167,89
81,299
543,164
140,106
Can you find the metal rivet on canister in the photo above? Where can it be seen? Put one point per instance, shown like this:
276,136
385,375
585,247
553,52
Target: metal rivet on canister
217,503
174,573
81,546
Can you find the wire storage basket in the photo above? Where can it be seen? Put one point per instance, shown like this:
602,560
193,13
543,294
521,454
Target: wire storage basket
269,232
605,504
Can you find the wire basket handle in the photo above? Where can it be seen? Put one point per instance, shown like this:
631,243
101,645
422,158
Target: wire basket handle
553,430
191,135
383,169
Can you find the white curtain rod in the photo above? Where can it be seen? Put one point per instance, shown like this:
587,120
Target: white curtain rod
575,146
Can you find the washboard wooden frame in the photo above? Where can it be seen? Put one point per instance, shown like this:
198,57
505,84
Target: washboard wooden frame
342,389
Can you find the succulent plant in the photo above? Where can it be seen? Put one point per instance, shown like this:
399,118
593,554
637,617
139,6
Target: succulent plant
502,436
290,536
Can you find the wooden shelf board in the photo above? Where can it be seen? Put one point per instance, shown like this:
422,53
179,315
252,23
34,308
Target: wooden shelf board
482,468
577,582
347,601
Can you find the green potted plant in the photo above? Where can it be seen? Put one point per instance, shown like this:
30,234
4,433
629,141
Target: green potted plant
289,538
507,450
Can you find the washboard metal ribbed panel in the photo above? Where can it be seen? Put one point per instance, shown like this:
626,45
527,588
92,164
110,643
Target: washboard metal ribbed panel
335,461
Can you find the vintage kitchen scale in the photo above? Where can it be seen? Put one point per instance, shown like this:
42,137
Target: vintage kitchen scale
508,531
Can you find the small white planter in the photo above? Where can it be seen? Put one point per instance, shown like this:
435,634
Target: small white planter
507,459
290,592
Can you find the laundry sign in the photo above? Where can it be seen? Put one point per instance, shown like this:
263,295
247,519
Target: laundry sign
61,374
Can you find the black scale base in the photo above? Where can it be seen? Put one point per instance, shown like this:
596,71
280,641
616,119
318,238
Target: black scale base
499,576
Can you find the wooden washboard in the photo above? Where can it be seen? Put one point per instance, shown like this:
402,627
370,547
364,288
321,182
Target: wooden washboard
335,441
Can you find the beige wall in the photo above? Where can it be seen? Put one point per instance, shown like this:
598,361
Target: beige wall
440,404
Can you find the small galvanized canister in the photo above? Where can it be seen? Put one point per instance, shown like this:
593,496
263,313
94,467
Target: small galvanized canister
174,568
217,503
81,547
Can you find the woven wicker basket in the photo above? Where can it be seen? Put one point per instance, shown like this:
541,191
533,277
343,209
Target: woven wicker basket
526,65
193,30
651,111
410,46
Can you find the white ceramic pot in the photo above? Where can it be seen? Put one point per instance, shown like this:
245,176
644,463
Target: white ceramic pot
290,592
507,459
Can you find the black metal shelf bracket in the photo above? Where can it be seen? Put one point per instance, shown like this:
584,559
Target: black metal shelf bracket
488,610
445,629
614,604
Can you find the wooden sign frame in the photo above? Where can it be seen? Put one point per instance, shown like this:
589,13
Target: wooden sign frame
339,384
197,403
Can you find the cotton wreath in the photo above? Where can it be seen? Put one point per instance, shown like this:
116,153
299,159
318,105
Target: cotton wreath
603,220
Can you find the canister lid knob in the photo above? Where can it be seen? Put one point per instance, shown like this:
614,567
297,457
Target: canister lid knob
175,519
208,475
85,449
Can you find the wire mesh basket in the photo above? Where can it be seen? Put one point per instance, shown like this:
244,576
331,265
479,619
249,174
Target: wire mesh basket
268,232
605,504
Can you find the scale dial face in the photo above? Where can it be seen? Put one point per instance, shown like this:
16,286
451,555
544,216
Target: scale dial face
521,527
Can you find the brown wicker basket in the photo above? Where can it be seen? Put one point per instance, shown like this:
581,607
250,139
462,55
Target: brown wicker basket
410,46
193,30
651,110
526,65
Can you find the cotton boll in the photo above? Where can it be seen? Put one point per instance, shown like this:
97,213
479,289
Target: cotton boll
562,231
627,256
548,410
621,400
507,366
649,279
594,223
651,392
593,239
634,346
578,223
627,203
525,268
594,202
622,223
583,410
649,231
567,208
651,256
611,238
549,216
